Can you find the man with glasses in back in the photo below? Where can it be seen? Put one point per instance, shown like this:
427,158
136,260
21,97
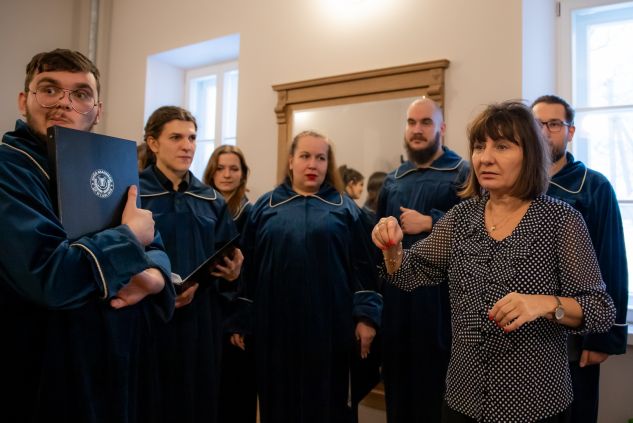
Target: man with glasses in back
592,195
75,316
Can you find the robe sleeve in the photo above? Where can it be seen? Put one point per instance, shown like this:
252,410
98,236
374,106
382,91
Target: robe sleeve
40,265
241,318
367,301
607,234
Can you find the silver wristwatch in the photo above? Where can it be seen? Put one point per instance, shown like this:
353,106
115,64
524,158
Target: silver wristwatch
559,311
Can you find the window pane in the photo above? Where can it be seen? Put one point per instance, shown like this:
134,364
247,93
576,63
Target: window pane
603,95
204,148
604,62
229,114
604,142
203,104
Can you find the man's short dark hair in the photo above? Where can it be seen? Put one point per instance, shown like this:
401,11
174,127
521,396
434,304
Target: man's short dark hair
554,99
60,60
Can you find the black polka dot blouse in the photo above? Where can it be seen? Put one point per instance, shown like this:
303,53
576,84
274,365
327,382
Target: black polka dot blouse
521,376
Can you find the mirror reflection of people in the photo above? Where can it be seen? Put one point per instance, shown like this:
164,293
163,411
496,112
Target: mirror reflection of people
193,220
308,273
416,325
374,185
227,172
522,275
353,180
75,315
592,195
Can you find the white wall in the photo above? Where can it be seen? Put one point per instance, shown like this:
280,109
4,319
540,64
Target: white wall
28,27
284,40
170,95
616,388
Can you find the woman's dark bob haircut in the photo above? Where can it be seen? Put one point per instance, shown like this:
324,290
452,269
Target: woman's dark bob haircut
512,121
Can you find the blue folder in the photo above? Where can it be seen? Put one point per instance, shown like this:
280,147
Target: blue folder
90,177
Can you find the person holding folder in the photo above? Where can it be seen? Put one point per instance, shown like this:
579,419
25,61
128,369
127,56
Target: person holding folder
194,221
74,316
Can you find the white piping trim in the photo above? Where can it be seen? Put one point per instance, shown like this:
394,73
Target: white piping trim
620,324
245,299
215,196
240,211
270,200
103,281
415,169
154,195
370,291
32,159
570,191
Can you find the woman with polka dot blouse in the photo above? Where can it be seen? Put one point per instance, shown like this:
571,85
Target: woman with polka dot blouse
522,274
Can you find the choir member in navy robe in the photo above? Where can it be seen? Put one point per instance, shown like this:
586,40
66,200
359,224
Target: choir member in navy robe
374,185
227,172
76,315
308,273
592,195
416,325
193,220
353,181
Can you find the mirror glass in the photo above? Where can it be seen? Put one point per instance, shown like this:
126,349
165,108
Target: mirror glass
367,136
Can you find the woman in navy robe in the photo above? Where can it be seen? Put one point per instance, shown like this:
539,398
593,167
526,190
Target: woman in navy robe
194,221
308,274
227,172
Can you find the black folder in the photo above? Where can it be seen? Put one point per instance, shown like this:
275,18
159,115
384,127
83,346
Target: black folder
90,177
202,274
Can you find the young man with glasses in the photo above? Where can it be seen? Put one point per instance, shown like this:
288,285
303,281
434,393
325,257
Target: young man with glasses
593,196
74,315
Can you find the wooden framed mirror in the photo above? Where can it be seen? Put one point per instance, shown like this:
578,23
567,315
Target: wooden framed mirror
363,112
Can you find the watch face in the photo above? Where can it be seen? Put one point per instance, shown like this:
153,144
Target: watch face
559,313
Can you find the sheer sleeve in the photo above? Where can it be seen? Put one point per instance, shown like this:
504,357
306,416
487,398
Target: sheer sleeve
580,276
426,262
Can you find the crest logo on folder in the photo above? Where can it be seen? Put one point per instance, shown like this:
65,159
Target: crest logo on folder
101,183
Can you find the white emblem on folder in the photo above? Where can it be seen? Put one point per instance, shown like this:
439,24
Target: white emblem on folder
101,183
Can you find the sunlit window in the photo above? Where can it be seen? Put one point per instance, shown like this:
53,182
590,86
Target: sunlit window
212,98
602,67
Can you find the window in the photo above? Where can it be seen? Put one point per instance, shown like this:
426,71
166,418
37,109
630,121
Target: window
602,93
212,98
202,78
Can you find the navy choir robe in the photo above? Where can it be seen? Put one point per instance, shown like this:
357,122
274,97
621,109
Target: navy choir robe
192,223
592,195
66,355
307,270
416,325
238,392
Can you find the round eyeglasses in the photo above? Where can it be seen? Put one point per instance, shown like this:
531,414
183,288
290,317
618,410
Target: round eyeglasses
82,101
553,125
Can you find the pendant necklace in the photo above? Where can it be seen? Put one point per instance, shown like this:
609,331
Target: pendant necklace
495,226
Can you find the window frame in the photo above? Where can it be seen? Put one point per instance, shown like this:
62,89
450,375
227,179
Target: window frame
567,75
218,70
